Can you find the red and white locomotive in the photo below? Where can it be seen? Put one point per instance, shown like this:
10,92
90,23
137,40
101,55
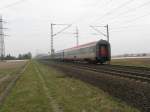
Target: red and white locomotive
97,52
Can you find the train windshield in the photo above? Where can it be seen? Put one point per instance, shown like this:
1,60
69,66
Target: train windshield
103,51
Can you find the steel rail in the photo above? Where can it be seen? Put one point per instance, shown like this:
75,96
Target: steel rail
118,71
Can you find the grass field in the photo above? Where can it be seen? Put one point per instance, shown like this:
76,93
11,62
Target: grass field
44,89
144,62
8,71
9,67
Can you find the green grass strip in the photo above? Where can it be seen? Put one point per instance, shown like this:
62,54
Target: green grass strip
28,95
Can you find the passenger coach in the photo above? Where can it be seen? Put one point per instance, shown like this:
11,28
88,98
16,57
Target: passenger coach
94,52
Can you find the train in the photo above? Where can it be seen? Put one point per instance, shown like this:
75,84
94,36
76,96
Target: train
93,52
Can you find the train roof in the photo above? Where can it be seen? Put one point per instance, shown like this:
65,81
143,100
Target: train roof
82,46
103,42
85,45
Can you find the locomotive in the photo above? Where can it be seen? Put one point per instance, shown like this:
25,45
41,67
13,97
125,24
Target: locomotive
94,52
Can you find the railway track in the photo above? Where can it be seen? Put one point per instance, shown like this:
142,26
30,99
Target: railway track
131,72
119,81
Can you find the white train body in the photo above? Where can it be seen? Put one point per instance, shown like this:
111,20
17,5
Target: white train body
95,51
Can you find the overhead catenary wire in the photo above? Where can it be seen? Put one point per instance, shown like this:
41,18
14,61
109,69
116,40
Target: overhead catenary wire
113,10
137,18
83,16
98,31
129,11
12,4
62,29
130,28
133,20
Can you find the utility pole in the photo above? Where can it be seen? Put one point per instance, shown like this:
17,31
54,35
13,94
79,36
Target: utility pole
77,36
107,32
52,49
98,31
55,34
2,44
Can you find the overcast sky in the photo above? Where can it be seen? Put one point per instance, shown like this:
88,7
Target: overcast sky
29,24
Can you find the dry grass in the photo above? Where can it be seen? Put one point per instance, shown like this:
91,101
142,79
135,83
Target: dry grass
8,71
144,62
28,94
11,64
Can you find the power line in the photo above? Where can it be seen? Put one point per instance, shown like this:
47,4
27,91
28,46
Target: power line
130,10
115,9
123,28
98,31
129,26
130,21
133,20
83,16
12,4
139,17
62,29
76,33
